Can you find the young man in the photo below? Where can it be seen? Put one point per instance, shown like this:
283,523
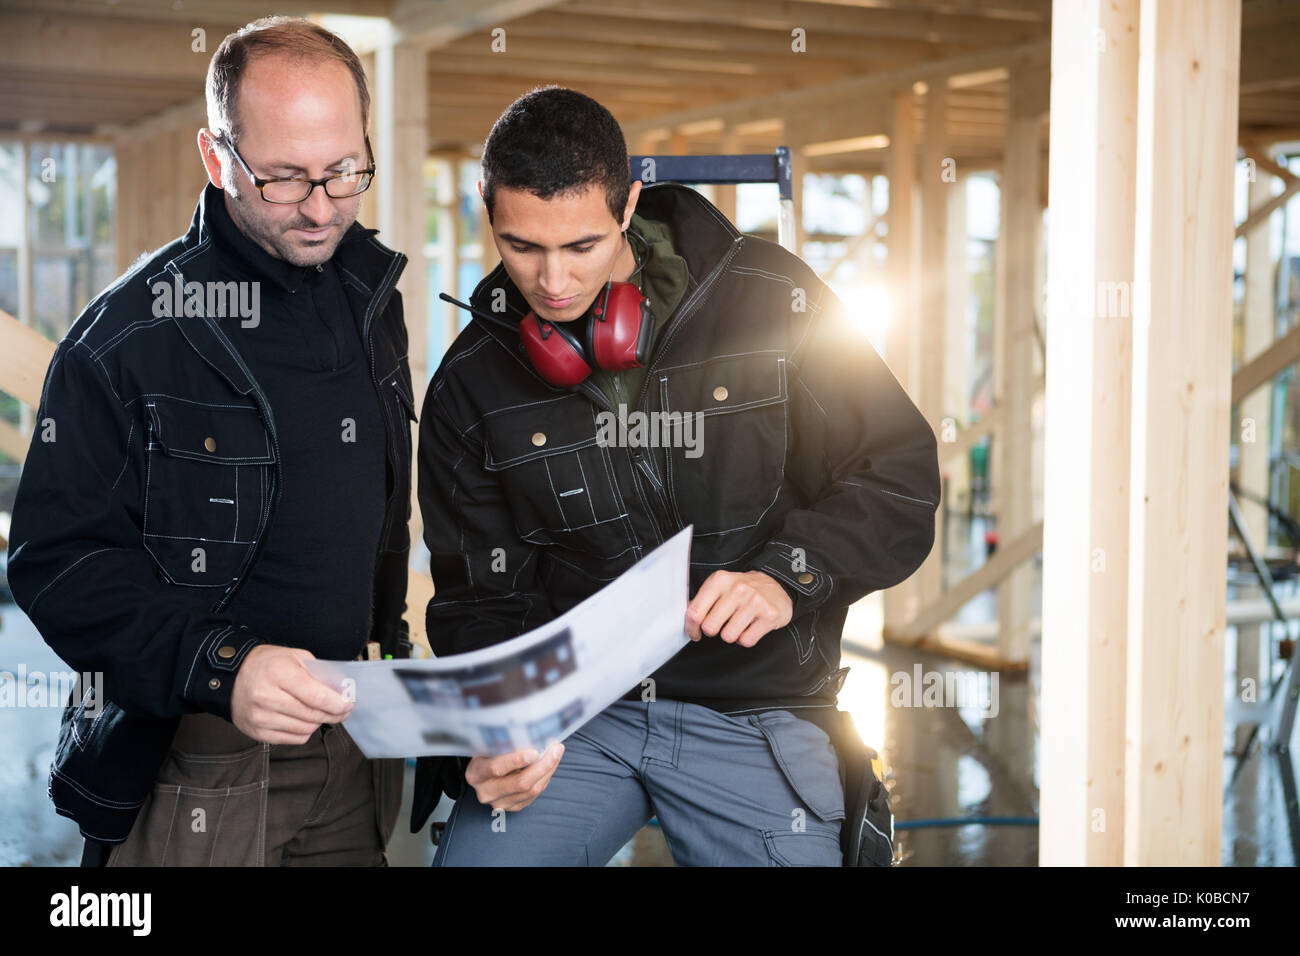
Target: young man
221,493
812,480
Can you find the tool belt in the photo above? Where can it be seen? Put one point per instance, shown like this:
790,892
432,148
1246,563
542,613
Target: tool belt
867,834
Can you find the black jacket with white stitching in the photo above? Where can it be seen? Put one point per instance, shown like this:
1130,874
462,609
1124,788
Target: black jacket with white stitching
152,415
812,465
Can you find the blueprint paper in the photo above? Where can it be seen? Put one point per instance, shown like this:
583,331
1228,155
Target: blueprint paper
529,691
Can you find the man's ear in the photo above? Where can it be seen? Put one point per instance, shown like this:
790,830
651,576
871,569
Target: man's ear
479,186
211,161
630,208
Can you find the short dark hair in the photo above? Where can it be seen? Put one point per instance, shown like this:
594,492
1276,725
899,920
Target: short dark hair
293,36
554,140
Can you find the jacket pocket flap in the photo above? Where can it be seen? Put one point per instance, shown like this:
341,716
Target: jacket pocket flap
223,434
730,383
526,432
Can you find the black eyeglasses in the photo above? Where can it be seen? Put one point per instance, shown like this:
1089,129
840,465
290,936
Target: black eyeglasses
289,191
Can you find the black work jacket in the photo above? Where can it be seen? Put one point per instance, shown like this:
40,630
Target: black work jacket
815,467
155,416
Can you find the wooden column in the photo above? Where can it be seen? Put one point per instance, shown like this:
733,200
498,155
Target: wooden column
798,167
1254,420
726,203
1014,362
443,328
1093,157
401,143
1182,350
902,601
488,255
400,140
1253,424
937,178
956,345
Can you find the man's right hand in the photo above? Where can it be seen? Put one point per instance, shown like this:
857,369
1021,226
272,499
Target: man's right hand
512,781
277,701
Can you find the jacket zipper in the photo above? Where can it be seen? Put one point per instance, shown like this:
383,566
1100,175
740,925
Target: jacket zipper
645,461
380,299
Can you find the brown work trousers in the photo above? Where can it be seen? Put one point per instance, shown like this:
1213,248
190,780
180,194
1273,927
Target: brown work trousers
221,798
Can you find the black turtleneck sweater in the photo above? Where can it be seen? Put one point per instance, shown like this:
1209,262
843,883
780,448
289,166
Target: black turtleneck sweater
312,585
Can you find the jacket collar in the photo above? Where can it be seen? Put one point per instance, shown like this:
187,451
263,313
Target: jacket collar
370,265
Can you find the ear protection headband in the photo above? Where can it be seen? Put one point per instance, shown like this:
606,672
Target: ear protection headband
614,335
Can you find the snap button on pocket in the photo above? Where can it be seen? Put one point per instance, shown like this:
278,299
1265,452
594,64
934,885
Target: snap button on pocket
720,393
539,439
805,578
214,683
226,653
210,444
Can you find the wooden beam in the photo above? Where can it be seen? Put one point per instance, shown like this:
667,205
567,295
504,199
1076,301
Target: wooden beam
565,70
25,356
107,46
1265,366
980,654
633,48
815,18
1266,209
419,24
1009,556
808,100
13,442
733,38
1182,351
1269,61
1087,435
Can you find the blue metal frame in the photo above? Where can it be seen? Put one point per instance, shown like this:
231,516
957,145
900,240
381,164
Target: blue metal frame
771,167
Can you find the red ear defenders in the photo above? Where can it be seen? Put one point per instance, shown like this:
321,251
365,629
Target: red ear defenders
614,336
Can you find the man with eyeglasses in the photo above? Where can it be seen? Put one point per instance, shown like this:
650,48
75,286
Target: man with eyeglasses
228,493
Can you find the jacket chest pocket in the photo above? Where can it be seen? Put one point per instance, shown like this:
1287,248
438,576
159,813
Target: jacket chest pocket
557,479
207,488
726,463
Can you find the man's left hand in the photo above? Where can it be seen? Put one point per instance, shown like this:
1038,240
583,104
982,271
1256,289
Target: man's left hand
738,606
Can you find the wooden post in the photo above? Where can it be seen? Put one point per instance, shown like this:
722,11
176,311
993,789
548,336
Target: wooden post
902,602
23,263
1014,363
400,141
1182,357
1254,419
798,167
1093,156
454,312
727,194
956,346
938,174
401,144
488,255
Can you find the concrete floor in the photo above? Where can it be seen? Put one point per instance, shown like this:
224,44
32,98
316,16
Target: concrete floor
941,762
